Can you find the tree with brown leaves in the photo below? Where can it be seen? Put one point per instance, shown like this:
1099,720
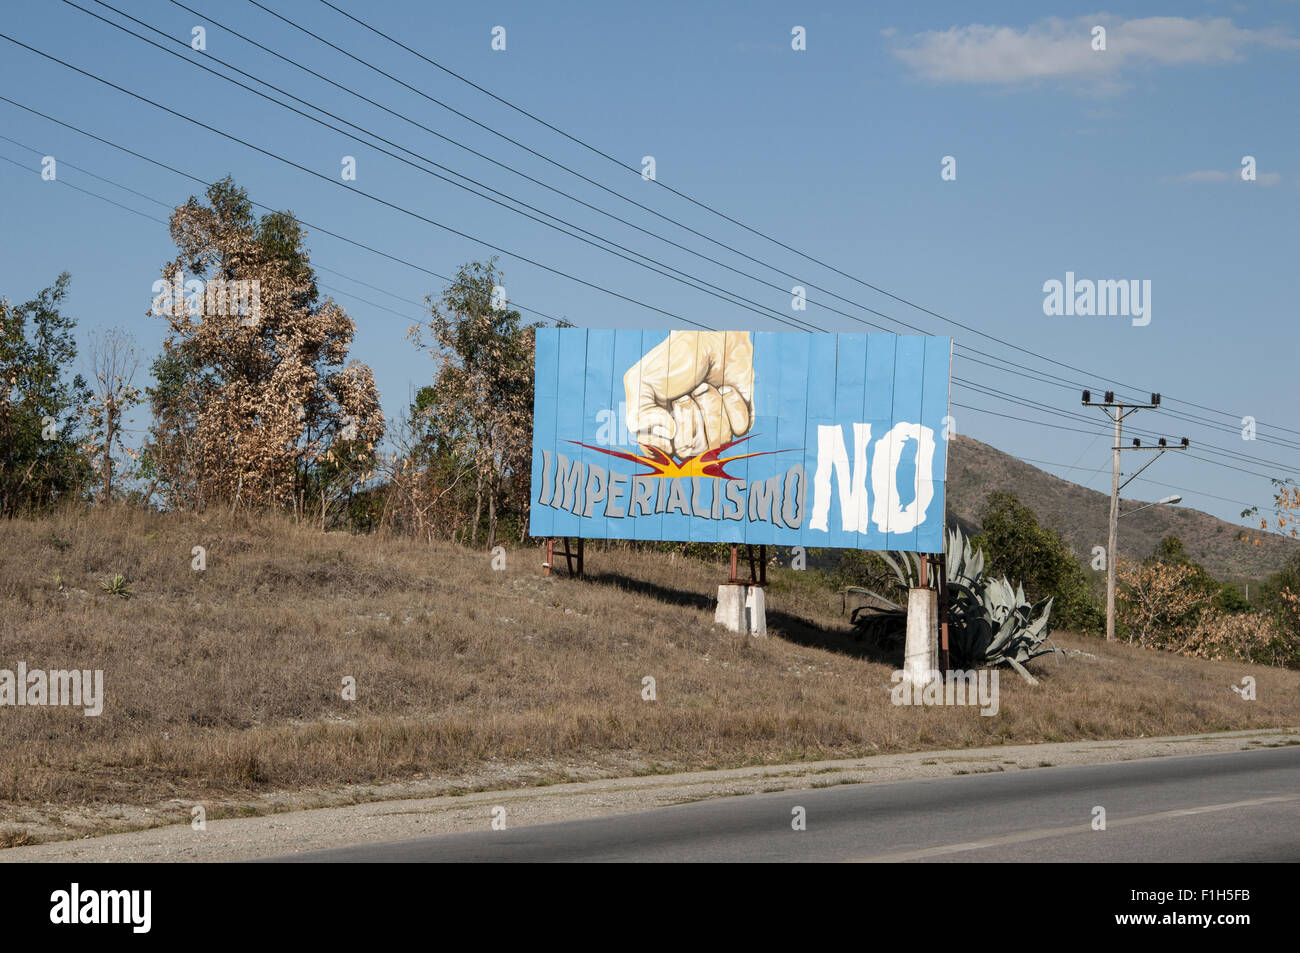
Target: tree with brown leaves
255,401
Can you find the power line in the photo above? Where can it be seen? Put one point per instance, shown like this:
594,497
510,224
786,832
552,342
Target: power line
164,223
1047,408
375,198
619,195
353,190
125,208
1189,418
382,290
434,132
316,228
1170,486
763,309
1055,426
719,293
705,206
1246,458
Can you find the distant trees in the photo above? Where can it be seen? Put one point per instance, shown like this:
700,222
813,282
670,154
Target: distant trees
1280,598
253,400
1157,600
41,460
1169,601
1222,595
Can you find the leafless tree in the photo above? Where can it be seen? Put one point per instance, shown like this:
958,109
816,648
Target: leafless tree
113,366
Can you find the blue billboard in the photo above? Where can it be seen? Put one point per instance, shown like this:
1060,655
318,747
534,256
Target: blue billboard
836,440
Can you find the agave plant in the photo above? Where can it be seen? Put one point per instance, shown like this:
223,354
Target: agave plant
989,622
116,586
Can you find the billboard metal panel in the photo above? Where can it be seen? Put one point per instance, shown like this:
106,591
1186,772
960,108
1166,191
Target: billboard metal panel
737,436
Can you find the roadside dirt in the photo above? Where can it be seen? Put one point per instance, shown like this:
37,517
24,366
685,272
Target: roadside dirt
401,811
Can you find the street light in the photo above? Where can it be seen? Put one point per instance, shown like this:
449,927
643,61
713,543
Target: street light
1167,500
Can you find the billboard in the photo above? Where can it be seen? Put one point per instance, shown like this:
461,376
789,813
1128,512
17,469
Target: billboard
835,440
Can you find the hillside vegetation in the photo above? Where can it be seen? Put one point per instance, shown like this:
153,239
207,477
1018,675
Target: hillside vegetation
224,686
1229,552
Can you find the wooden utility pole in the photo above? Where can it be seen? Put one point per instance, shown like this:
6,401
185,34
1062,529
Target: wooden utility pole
1117,411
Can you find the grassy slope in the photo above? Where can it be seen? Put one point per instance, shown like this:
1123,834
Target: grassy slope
226,683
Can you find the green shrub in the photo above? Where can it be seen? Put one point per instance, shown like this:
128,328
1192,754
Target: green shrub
1017,547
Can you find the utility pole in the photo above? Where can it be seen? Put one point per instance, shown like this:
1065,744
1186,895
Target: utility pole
1117,411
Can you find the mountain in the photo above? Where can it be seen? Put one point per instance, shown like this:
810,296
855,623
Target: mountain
975,470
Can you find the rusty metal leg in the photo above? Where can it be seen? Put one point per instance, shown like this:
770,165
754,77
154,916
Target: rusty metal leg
550,556
734,547
943,611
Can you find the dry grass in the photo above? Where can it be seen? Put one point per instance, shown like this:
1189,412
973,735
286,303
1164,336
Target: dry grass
227,682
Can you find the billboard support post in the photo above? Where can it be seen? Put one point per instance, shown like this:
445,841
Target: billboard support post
925,603
742,605
944,659
757,566
569,555
921,646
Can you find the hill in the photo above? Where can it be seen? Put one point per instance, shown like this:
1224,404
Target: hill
976,470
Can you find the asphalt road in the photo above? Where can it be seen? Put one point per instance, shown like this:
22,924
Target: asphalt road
1243,806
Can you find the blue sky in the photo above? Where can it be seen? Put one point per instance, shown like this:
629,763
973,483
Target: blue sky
1115,164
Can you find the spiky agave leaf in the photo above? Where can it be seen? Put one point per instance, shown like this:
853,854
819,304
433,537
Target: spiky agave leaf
875,595
904,578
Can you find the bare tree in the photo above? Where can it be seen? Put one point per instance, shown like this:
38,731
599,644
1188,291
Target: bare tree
114,364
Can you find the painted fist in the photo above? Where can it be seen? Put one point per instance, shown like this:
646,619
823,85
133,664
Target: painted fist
692,392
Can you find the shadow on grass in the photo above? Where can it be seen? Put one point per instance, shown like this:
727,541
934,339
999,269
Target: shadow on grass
792,628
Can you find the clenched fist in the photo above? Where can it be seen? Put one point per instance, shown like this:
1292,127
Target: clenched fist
693,392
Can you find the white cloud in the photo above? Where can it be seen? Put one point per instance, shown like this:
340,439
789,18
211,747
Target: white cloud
1062,49
1215,176
1204,175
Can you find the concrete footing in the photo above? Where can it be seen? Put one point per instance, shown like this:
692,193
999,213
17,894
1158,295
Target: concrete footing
921,651
742,609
